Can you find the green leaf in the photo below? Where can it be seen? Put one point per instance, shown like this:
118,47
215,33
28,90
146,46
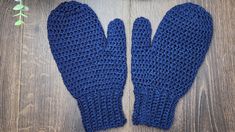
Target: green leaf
17,15
18,7
20,14
23,15
26,8
19,22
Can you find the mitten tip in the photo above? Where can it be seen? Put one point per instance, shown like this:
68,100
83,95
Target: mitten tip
192,11
116,23
141,20
67,7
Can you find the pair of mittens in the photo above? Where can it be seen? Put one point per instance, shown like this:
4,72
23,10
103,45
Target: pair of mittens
94,69
92,66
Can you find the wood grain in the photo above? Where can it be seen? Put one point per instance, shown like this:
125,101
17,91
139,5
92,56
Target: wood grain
33,97
10,67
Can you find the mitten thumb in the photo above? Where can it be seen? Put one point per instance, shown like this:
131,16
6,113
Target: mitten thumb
116,40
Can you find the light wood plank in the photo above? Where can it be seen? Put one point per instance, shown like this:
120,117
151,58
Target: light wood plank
10,65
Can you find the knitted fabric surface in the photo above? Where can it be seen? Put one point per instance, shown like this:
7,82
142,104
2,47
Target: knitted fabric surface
163,70
92,66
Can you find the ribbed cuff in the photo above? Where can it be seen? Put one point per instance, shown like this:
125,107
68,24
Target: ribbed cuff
101,110
154,109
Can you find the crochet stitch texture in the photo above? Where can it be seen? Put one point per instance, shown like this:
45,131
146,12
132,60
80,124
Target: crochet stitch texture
92,66
163,70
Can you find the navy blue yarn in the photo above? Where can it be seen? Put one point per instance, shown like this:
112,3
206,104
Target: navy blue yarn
163,70
92,66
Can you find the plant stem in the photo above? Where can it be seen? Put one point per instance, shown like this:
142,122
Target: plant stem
20,10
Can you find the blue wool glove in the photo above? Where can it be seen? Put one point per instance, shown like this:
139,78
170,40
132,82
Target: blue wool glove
92,66
163,70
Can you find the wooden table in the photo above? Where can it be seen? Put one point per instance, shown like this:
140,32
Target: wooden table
33,97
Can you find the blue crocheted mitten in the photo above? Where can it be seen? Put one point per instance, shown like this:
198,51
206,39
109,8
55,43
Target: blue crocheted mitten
163,70
92,66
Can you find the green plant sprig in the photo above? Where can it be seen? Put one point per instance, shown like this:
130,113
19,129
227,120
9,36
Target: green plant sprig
21,8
